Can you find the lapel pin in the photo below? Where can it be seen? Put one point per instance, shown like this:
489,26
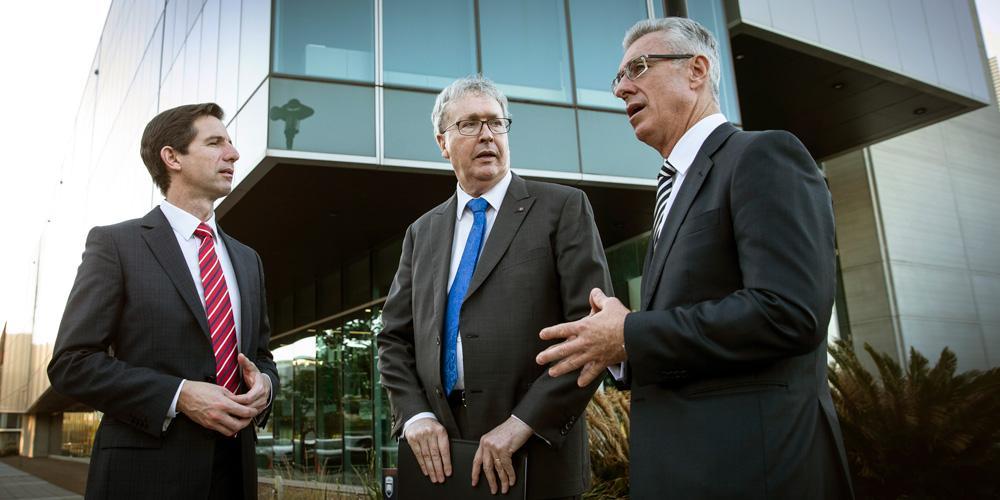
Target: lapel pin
520,209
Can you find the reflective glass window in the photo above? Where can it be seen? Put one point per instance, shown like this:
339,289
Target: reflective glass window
524,48
711,13
325,39
321,117
428,47
543,138
597,46
609,147
409,134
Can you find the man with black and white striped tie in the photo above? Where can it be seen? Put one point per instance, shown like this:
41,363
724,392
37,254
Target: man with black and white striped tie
726,355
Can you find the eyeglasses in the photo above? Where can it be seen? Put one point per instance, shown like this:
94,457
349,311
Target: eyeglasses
638,66
474,127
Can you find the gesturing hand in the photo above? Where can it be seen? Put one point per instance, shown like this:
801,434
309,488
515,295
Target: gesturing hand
259,385
213,407
494,454
591,344
429,441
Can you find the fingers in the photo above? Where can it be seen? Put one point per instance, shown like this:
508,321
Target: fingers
590,372
477,462
429,441
559,351
444,447
508,468
246,364
488,466
597,299
561,331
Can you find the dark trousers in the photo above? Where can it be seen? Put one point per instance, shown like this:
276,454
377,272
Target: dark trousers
227,470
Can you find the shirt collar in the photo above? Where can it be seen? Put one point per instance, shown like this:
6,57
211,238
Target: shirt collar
684,152
494,196
183,222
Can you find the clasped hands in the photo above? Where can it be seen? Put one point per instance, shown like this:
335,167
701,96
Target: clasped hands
589,344
429,441
215,407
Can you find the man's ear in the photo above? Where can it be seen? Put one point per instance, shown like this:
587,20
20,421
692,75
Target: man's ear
699,71
442,144
169,157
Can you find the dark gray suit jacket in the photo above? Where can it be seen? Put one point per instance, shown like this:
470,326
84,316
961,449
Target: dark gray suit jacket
135,296
727,355
536,269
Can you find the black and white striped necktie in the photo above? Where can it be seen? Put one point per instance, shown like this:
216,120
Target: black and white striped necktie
664,184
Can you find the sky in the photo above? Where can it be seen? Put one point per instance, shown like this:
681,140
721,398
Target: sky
47,47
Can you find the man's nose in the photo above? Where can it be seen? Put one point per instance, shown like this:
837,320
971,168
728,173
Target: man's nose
486,133
231,154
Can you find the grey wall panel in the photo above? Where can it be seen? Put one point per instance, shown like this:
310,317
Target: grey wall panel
947,45
879,334
917,203
929,337
795,17
913,41
878,40
866,292
968,28
991,339
838,26
755,11
933,292
857,236
986,288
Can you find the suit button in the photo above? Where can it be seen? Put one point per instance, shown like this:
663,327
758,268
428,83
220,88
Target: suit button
437,340
437,391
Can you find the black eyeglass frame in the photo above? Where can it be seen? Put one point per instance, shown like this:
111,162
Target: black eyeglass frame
458,126
644,60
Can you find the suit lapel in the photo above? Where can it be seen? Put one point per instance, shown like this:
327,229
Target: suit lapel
160,238
693,180
516,205
244,271
442,233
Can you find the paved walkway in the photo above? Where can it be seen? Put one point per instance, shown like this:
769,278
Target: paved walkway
15,483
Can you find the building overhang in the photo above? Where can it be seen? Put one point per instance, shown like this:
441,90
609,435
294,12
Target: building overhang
832,102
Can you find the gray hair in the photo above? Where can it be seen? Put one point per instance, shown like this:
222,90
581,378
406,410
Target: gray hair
684,36
472,84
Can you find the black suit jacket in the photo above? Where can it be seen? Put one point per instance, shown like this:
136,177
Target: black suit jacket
727,355
536,269
133,327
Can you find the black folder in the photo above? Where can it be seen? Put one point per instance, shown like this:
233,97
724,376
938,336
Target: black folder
413,485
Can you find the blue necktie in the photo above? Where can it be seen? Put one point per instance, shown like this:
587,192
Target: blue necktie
458,289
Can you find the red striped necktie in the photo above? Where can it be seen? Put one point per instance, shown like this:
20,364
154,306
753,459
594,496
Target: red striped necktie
219,309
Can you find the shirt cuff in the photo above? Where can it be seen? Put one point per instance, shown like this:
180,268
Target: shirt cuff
172,411
418,416
532,430
618,372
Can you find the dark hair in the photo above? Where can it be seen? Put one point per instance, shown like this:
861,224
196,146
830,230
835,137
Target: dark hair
175,128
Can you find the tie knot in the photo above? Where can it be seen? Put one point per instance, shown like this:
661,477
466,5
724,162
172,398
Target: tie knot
666,171
203,231
478,205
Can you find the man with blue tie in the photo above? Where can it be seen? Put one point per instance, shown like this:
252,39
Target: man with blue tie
479,275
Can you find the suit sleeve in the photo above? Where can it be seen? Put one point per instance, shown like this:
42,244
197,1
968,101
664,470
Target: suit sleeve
784,239
552,406
397,362
263,358
81,366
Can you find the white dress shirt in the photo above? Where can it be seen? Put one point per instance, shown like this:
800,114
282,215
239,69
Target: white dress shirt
463,225
184,225
681,158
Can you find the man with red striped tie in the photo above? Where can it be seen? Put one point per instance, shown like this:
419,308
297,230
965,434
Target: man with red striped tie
166,330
